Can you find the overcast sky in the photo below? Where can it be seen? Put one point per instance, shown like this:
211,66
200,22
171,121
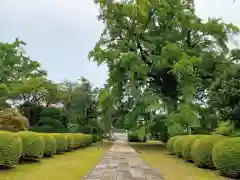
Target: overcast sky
60,33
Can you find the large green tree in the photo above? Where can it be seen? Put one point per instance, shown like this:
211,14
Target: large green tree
164,47
15,65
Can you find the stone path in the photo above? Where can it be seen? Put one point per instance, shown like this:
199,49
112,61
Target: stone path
122,162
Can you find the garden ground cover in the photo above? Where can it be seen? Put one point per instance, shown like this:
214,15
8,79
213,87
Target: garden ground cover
69,166
170,166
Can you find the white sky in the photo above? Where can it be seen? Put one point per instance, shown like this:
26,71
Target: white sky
60,33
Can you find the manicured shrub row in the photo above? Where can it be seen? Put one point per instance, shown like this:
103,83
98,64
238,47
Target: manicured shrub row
32,145
209,151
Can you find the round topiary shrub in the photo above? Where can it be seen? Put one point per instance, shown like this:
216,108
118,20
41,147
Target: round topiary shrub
201,151
226,156
76,141
177,145
50,145
187,146
171,142
62,143
83,139
133,137
79,140
33,145
87,139
70,141
11,149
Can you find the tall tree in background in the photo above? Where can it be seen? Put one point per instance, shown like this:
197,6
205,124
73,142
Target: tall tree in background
164,47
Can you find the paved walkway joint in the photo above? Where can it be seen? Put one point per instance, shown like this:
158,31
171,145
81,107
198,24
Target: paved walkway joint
122,162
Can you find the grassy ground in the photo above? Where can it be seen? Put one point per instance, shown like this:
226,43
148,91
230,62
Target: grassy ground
171,167
69,166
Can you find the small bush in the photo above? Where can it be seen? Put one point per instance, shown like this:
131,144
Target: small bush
95,136
88,139
171,142
225,129
187,146
226,156
71,141
76,141
80,140
134,137
62,143
50,145
33,145
177,145
201,151
11,120
11,149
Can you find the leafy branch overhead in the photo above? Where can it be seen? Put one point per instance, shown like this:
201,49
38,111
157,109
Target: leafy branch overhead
165,48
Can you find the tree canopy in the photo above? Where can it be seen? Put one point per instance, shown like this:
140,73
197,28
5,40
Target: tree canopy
170,73
165,59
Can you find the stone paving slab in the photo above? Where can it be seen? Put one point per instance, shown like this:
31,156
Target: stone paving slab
122,162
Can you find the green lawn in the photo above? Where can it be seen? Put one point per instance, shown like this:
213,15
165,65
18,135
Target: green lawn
69,166
171,167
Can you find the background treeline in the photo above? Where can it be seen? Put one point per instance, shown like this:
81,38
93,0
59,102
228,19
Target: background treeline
46,105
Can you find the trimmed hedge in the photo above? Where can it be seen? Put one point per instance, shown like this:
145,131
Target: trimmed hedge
177,145
62,142
226,156
50,145
11,149
209,151
187,146
70,142
171,142
202,150
31,145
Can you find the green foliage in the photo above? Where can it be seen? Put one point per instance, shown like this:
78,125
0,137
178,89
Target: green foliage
52,120
226,156
178,145
50,145
187,145
12,120
70,141
135,137
170,143
225,129
159,128
182,121
201,151
176,62
49,125
62,142
15,64
81,102
11,149
224,95
87,129
33,145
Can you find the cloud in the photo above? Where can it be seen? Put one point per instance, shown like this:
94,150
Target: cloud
59,34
